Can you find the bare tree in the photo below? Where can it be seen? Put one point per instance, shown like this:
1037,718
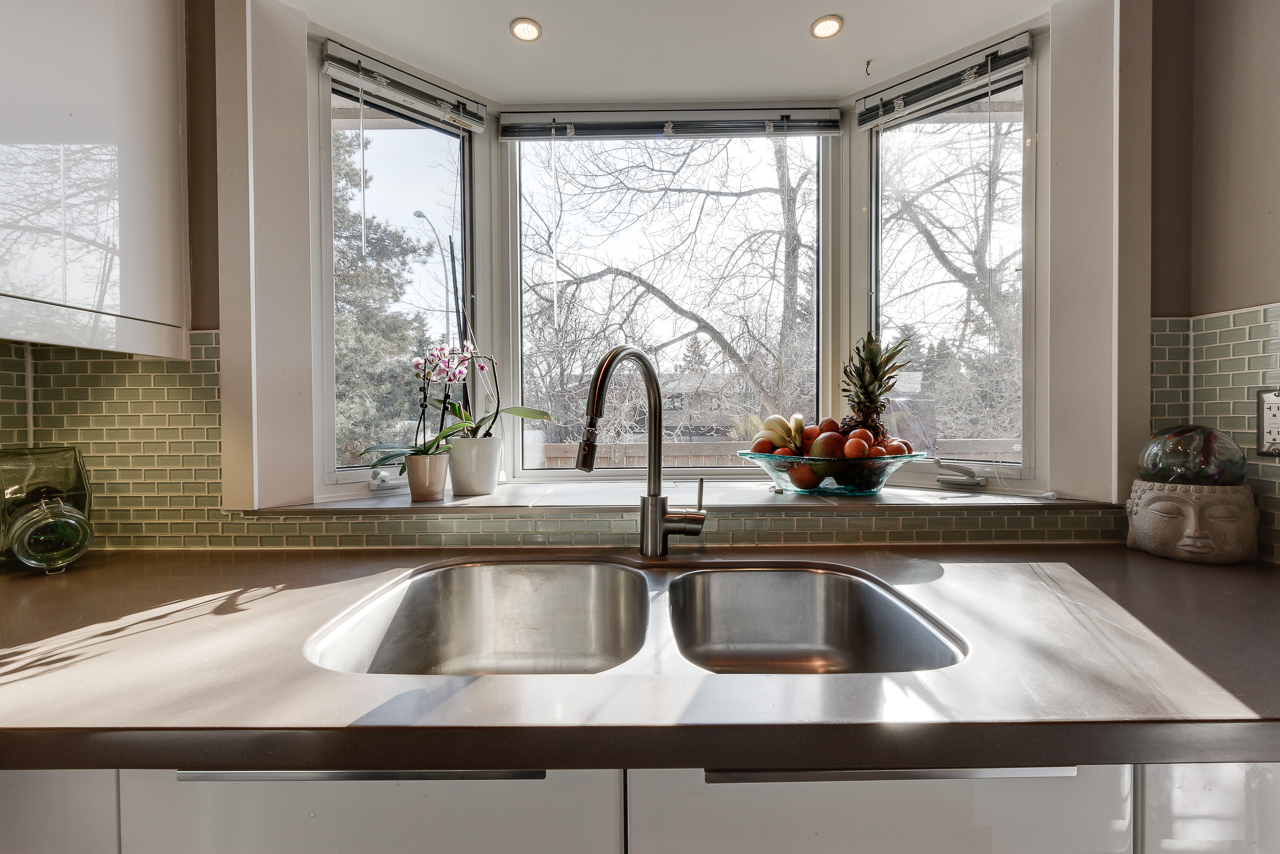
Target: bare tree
670,245
951,260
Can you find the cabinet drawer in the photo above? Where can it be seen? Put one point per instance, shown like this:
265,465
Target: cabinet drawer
1216,807
58,812
676,811
569,811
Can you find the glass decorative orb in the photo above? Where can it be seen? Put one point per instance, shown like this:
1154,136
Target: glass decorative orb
1201,456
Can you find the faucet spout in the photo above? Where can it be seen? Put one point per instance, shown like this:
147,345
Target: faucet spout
595,410
656,523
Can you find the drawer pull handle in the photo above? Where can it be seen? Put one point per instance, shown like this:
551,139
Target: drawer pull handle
784,776
329,776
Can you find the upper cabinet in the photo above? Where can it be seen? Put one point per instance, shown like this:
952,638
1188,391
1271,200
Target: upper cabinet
93,214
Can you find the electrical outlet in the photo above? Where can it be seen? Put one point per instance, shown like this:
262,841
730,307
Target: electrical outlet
1269,423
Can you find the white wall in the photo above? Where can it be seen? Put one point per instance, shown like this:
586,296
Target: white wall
1081,326
264,216
1100,245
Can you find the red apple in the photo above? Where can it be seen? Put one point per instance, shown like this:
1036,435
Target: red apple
829,445
807,436
803,477
828,425
762,446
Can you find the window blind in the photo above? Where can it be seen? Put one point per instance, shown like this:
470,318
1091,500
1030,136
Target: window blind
354,73
670,124
975,71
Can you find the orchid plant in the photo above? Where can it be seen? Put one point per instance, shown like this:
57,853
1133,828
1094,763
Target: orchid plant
457,362
449,366
443,366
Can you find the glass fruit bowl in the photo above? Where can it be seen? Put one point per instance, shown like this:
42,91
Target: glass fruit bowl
827,476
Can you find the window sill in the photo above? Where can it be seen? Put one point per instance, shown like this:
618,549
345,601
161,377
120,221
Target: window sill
720,496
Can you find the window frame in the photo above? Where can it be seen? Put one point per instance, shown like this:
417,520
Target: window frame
332,482
845,257
1027,475
511,373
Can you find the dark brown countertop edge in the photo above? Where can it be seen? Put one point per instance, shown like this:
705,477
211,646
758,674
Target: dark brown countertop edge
727,747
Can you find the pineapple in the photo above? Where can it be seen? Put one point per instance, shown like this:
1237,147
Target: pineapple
868,379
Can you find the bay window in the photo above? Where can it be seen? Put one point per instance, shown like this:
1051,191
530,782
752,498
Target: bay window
717,242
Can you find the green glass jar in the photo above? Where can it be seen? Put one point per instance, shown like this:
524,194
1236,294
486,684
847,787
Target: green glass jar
44,513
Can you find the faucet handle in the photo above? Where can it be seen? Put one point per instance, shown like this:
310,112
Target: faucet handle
700,480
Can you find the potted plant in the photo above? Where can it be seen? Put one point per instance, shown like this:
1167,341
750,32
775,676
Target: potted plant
475,454
426,460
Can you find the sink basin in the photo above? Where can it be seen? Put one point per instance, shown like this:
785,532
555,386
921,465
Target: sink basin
802,621
492,618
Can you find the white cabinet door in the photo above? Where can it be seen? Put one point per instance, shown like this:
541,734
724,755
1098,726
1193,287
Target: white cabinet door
1222,807
58,812
672,812
93,216
569,811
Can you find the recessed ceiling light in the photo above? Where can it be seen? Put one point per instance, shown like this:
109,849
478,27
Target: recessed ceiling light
826,26
528,30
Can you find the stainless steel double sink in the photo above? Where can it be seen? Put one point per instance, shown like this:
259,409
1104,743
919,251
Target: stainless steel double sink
526,617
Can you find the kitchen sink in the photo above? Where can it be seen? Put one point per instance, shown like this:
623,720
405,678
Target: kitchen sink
591,616
802,621
493,618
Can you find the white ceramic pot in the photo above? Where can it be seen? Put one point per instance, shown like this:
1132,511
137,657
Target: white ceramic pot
426,476
474,464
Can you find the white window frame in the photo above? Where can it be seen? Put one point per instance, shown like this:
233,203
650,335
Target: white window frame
1028,476
829,168
332,482
844,265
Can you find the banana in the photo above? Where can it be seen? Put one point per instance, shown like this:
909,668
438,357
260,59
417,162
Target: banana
778,440
778,424
797,426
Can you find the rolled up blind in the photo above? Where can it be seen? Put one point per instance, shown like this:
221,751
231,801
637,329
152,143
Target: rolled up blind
359,76
975,71
670,124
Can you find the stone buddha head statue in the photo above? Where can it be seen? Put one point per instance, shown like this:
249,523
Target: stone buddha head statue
1201,524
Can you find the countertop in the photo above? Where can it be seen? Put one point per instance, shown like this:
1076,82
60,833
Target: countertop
1077,655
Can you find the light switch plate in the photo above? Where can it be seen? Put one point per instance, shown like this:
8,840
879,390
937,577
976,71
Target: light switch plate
1269,423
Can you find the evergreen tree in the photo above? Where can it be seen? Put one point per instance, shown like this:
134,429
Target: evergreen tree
373,341
695,356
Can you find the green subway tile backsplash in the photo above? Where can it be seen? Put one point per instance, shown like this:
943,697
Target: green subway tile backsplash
13,394
150,432
1170,370
1234,355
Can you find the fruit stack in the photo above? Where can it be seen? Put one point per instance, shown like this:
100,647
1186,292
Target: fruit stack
869,376
822,444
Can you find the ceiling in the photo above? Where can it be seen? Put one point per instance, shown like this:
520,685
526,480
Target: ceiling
594,51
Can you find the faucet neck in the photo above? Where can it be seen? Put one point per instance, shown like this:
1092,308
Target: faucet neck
595,409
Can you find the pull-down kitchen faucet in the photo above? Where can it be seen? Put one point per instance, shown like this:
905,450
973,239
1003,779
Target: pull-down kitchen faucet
656,523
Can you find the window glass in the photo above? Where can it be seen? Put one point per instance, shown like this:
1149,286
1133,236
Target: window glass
950,271
398,267
702,253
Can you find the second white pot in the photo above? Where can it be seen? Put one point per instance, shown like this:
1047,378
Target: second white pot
474,464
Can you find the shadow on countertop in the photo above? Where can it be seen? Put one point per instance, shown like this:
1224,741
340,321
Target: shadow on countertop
1225,620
